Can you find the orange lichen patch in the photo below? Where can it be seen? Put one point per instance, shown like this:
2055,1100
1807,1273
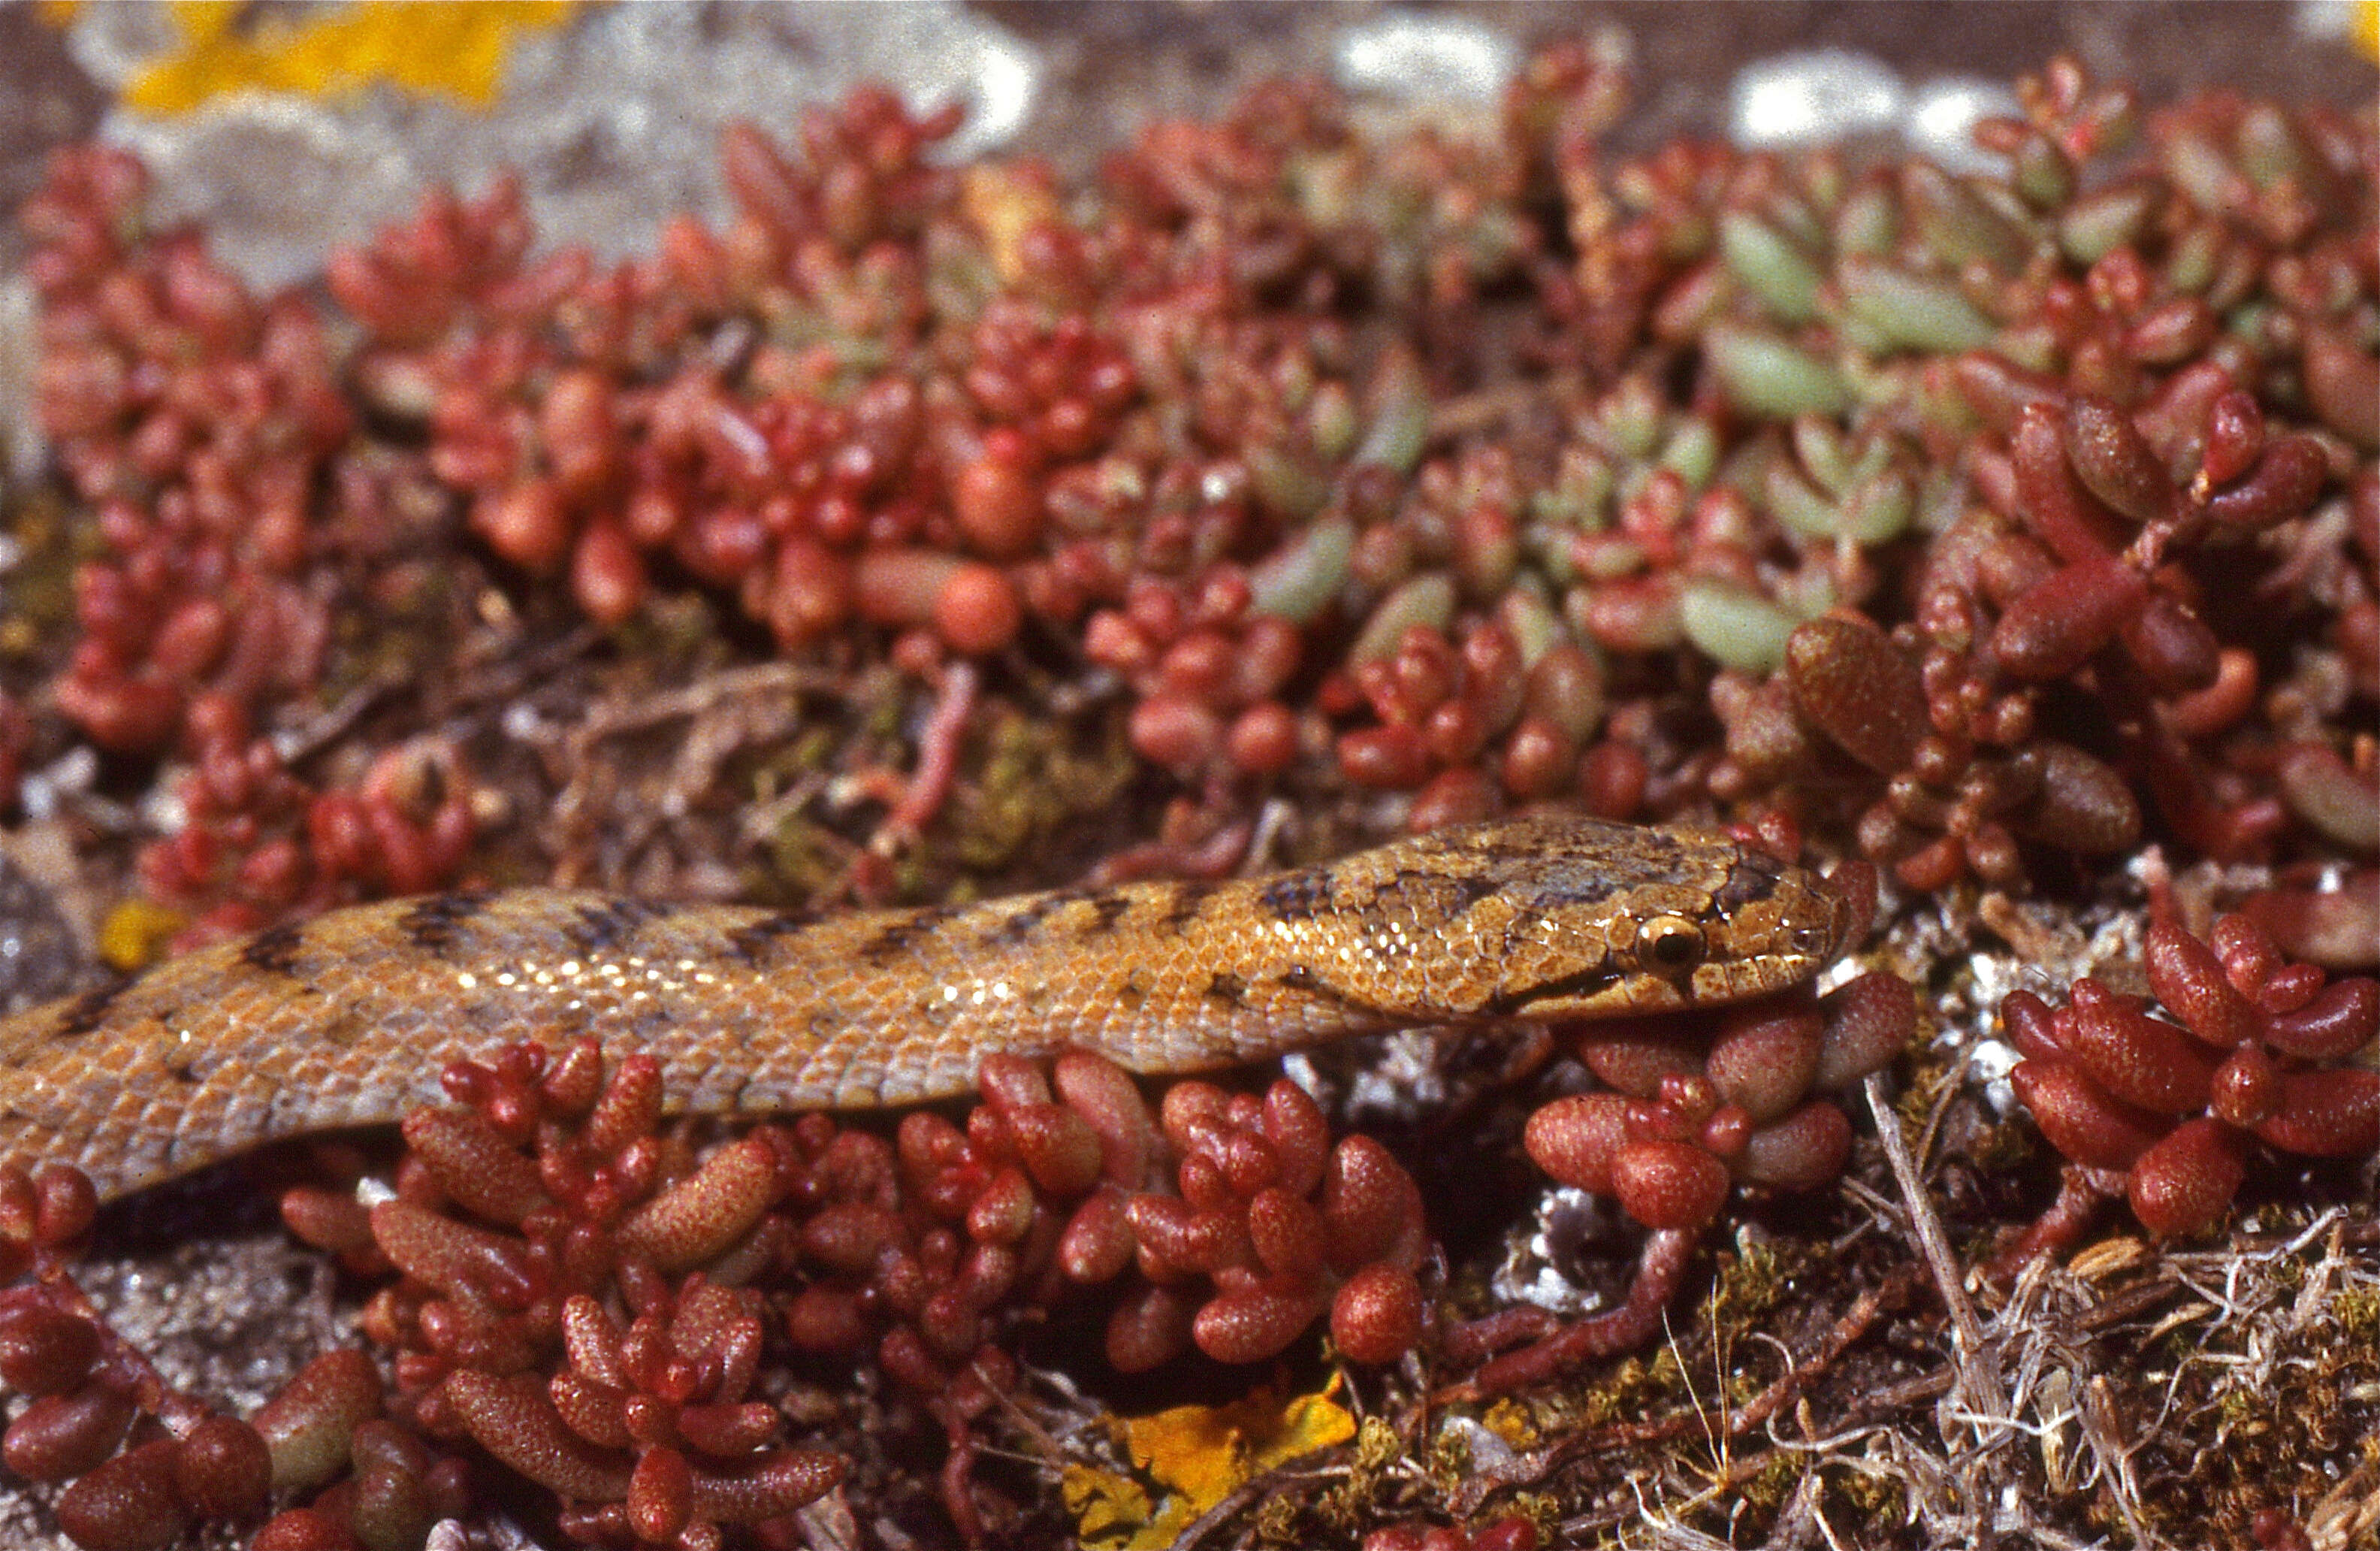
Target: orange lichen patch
1199,1454
456,50
1005,201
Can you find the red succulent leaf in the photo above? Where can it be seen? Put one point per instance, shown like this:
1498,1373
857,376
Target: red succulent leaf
2114,460
1858,688
2032,1027
2284,484
2186,1181
2247,1088
308,1427
513,1420
1287,1233
2059,624
785,1481
702,1214
223,1470
1376,1316
2139,1060
1804,1151
1762,1060
1371,1209
2054,504
1669,1184
2082,806
61,1437
1634,1054
1575,1139
2079,1117
2188,979
1150,1326
479,1170
1252,1326
2340,1022
2327,1114
130,1503
1869,1019
1097,1243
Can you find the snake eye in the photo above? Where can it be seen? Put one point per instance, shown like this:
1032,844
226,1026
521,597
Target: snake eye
1669,943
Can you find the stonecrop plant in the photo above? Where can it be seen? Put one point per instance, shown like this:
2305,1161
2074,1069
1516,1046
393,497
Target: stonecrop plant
1971,531
2257,1050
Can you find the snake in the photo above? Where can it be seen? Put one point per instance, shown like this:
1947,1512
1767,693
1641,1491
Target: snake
348,1019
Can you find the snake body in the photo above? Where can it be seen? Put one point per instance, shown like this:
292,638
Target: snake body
346,1020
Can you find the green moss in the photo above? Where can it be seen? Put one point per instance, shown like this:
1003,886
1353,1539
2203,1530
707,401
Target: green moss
1279,1522
39,596
1749,1283
672,631
1879,1499
1773,1485
1448,1461
804,862
1034,778
2358,1312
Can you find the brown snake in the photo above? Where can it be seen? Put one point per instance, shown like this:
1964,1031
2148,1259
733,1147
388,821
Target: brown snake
346,1020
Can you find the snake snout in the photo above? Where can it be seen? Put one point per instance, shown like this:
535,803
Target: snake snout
1828,930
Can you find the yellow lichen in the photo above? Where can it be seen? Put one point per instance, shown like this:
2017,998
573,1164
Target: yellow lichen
435,48
135,933
1514,1422
1199,1454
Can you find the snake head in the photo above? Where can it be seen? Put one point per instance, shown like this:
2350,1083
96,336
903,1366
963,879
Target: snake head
1587,919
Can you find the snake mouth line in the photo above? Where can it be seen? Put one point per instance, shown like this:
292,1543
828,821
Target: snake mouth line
1581,985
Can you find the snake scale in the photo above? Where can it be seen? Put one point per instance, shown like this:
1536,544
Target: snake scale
346,1020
